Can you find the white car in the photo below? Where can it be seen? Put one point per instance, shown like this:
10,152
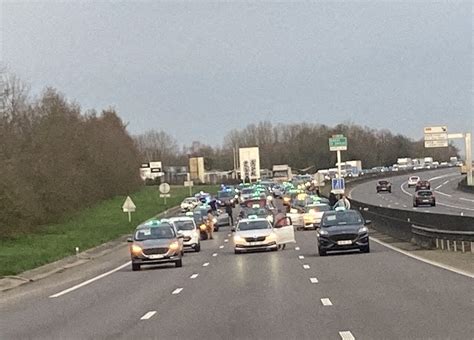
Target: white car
189,203
412,180
186,227
313,214
258,234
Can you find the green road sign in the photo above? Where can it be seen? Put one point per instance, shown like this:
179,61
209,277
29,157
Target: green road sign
338,143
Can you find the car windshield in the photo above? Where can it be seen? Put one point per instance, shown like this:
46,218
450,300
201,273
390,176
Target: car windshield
253,225
224,194
383,182
255,211
184,225
317,208
155,233
340,218
247,191
189,200
414,178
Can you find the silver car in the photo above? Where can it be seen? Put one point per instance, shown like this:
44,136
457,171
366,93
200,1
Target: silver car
254,234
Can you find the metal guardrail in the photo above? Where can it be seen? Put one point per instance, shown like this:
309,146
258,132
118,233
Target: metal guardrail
433,230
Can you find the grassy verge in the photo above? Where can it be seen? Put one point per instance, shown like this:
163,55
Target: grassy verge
87,229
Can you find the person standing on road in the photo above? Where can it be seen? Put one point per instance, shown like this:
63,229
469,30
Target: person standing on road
344,202
229,211
210,224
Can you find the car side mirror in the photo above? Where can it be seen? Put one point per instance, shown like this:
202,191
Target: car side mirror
368,222
129,239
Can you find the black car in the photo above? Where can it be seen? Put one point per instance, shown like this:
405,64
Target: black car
226,197
343,230
423,185
384,186
424,197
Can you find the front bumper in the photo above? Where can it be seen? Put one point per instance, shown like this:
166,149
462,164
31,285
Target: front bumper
249,246
192,243
329,244
424,202
143,260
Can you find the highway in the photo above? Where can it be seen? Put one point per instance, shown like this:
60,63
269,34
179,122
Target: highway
289,294
444,183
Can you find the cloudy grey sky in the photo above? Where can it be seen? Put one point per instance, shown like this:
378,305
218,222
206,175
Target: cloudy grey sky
198,69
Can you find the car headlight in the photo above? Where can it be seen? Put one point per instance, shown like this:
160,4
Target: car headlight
271,238
238,239
214,220
203,227
270,218
323,232
174,245
136,249
363,230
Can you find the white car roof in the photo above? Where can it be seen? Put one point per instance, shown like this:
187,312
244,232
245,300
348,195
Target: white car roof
180,218
253,219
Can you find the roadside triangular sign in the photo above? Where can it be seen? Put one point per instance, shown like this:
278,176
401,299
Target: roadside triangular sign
128,205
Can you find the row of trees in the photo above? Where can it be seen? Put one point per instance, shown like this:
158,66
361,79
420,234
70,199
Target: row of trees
55,159
299,145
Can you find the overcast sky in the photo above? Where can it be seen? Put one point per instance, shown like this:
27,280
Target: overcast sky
200,69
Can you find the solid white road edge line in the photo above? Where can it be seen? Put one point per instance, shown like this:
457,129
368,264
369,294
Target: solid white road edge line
326,302
148,315
433,263
466,199
85,283
442,193
346,335
194,276
177,291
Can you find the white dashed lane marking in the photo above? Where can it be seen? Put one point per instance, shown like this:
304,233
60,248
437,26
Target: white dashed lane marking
177,291
214,255
226,240
313,280
194,276
306,266
221,247
301,257
148,315
326,302
346,335
297,248
205,264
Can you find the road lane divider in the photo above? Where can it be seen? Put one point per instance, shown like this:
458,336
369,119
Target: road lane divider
85,283
192,277
221,247
306,266
177,291
326,302
346,335
301,257
214,255
148,315
226,240
297,248
205,264
313,280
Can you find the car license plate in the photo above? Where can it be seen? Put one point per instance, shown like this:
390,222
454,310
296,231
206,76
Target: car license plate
154,257
256,243
426,201
344,243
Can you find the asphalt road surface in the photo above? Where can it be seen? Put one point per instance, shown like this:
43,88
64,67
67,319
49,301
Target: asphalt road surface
289,294
444,183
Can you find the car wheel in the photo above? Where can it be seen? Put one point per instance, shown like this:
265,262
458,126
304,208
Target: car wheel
236,251
197,248
415,205
135,267
216,228
390,191
433,204
204,236
322,252
179,263
182,253
366,249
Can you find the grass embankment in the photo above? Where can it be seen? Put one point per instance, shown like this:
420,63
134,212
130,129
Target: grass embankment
89,228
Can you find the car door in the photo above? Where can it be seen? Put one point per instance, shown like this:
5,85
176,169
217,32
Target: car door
284,230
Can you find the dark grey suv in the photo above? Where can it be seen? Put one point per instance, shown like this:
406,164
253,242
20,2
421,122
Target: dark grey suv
155,243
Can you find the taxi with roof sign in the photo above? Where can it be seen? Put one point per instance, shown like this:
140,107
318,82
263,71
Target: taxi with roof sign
156,242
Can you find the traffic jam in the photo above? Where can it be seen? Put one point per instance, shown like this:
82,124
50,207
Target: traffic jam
262,216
